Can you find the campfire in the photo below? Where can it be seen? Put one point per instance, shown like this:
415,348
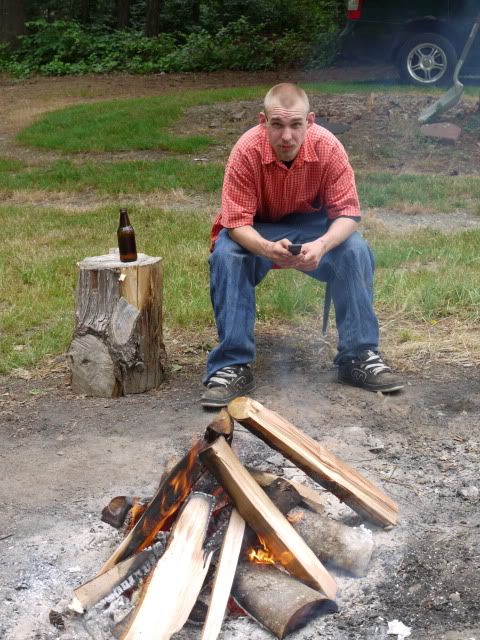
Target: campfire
217,537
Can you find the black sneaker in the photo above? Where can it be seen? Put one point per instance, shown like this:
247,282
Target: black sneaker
369,372
226,384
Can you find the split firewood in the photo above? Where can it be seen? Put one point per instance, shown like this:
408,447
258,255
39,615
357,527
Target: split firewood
221,426
170,496
317,461
169,595
226,566
264,517
110,585
276,600
334,543
310,498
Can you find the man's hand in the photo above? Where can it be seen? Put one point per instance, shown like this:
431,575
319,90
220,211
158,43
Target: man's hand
311,254
279,254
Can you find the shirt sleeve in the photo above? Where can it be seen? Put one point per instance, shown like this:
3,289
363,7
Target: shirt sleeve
340,192
239,194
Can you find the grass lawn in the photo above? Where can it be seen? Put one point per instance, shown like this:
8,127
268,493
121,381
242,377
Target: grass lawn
424,276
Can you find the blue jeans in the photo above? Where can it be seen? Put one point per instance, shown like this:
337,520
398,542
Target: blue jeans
235,272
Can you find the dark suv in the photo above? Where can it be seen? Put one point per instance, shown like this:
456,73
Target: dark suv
424,39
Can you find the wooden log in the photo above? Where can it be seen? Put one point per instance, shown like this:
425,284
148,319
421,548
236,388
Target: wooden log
169,497
116,580
264,518
316,460
224,575
222,425
176,581
117,345
334,543
310,498
277,601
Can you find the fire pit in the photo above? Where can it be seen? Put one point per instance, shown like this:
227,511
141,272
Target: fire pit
274,542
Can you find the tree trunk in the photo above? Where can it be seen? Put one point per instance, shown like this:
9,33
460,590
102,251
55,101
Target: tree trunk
152,17
12,20
196,11
117,347
123,13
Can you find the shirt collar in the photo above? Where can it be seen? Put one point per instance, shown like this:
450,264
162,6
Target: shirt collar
307,151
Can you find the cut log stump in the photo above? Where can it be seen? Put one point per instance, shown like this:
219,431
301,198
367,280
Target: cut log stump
117,346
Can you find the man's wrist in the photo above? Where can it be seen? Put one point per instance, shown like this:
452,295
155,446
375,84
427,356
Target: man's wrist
267,249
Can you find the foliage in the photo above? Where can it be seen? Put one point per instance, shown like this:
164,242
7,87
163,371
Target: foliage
222,34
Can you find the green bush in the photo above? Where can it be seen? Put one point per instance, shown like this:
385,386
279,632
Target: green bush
66,47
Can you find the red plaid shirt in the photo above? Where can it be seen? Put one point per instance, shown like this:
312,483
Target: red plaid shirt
259,187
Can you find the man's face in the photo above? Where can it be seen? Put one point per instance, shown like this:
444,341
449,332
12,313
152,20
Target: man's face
286,129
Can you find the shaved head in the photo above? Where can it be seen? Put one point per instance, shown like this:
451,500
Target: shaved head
286,95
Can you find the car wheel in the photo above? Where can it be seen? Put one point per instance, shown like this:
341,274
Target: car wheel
427,59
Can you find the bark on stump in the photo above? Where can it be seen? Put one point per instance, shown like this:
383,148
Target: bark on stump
117,347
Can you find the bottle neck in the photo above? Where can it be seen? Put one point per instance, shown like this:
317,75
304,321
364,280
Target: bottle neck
124,219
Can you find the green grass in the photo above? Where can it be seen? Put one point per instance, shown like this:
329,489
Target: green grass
146,123
120,125
434,193
440,194
114,177
426,275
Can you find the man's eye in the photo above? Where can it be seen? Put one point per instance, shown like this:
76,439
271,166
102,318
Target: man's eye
276,125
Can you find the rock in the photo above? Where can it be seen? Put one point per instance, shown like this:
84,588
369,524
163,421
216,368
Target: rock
239,115
469,493
445,132
334,127
454,597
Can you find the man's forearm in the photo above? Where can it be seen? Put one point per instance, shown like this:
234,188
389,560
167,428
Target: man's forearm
251,240
338,232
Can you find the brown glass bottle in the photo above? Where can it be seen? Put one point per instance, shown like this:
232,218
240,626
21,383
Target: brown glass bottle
126,238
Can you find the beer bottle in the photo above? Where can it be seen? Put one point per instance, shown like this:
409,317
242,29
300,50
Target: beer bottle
126,238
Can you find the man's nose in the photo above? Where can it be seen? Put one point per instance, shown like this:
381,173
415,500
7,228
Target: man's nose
287,133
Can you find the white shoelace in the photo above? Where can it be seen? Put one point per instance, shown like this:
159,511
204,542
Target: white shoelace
374,364
222,377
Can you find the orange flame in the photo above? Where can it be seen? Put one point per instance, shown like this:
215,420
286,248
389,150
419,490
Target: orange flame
173,497
261,555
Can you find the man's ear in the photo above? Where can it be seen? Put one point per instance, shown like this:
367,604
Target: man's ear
310,119
262,118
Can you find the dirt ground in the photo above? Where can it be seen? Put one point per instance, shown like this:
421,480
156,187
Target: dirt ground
64,457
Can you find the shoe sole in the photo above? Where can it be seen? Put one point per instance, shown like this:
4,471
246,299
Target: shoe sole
218,404
386,389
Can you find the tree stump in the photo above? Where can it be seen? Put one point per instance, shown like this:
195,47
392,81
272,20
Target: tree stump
117,346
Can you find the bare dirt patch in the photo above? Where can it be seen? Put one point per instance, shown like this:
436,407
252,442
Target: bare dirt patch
63,457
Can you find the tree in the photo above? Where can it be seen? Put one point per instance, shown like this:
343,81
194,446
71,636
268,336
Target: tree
152,18
12,20
123,13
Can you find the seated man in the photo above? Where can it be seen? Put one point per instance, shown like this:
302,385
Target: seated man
288,181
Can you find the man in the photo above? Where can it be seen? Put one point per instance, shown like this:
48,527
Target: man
288,181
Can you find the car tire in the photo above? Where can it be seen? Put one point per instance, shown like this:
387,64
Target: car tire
427,59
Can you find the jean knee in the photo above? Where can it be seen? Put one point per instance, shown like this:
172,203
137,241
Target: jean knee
355,249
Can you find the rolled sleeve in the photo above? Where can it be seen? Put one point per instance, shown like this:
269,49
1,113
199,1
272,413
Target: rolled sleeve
239,199
340,191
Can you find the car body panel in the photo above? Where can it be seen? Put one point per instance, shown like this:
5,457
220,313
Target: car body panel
385,26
